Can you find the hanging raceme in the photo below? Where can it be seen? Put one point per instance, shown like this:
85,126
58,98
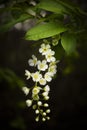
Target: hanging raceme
45,71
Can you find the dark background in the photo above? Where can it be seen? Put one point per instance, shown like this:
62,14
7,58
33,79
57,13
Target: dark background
68,96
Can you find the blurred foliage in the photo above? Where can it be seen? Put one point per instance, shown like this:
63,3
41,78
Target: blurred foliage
11,102
11,78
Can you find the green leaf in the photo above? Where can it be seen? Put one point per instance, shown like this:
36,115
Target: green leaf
45,30
53,6
59,51
68,42
12,22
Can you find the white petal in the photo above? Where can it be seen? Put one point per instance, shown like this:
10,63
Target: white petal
37,111
48,111
47,88
53,59
40,50
36,90
48,77
45,94
42,81
46,105
37,118
39,103
26,90
36,76
46,97
43,119
30,62
28,74
29,102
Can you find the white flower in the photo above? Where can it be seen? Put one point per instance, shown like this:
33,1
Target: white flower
47,88
35,97
46,68
44,49
42,65
42,81
44,113
52,69
29,102
39,103
53,63
48,118
36,76
26,90
33,61
37,111
36,90
43,119
48,77
28,74
45,94
48,111
50,57
46,97
37,118
46,105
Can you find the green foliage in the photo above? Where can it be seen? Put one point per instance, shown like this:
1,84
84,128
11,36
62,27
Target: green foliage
68,42
45,30
11,78
62,17
59,51
15,13
13,21
52,6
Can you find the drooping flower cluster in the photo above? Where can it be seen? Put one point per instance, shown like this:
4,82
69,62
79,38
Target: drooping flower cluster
46,69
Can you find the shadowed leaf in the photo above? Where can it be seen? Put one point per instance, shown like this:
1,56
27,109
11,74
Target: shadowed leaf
68,42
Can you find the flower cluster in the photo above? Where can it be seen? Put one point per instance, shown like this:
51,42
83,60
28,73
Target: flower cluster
45,71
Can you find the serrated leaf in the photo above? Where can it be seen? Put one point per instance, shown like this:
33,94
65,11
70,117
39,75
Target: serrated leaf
68,42
45,30
53,6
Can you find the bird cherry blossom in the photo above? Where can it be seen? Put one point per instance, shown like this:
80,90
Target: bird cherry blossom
50,57
28,74
33,61
44,49
25,90
42,65
36,90
36,76
42,81
47,88
28,102
41,76
48,77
